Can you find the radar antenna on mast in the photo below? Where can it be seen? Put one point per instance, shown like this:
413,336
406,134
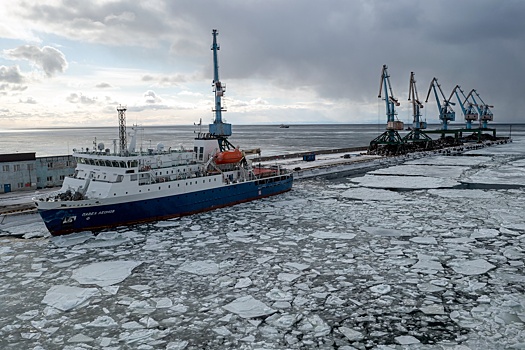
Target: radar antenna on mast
123,144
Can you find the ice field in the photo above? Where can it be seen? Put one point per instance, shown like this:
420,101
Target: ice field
424,255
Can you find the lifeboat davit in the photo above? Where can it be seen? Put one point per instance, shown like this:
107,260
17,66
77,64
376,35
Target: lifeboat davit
227,157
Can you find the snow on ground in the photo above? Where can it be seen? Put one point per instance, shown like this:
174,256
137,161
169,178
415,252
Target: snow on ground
429,268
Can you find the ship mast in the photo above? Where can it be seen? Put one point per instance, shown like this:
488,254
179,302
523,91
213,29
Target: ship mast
123,144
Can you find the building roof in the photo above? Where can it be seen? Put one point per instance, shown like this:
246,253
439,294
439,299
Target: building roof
16,157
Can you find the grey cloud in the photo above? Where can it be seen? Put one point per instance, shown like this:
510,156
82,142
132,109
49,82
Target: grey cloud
11,75
12,87
115,23
150,97
29,100
335,49
167,80
123,17
80,99
48,58
148,107
103,85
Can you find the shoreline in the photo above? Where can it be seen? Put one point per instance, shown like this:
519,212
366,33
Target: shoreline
330,163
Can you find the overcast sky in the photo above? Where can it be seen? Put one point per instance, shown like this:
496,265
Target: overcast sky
72,62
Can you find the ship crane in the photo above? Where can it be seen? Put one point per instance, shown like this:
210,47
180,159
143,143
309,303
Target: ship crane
219,129
446,113
416,134
391,136
467,107
485,114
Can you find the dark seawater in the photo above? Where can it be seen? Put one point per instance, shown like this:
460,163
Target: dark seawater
270,138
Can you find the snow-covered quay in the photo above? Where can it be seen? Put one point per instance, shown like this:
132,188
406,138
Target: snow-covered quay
423,255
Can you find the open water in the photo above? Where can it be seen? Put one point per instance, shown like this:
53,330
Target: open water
427,254
270,138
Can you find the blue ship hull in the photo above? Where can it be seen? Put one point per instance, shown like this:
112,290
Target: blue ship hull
62,221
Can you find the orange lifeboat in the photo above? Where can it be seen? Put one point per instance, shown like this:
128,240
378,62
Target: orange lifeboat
227,157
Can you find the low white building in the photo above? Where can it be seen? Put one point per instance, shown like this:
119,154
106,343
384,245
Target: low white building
24,171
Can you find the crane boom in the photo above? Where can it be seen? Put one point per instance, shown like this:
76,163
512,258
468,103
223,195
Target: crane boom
416,104
468,112
446,113
389,141
485,114
390,101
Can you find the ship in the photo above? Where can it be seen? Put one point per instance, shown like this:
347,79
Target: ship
128,186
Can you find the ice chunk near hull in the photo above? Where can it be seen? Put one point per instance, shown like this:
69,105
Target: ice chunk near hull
105,273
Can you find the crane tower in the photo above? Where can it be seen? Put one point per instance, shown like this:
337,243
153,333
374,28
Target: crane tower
390,138
416,134
218,129
466,107
485,114
446,113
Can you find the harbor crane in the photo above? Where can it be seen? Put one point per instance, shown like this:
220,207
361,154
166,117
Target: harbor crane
416,134
219,129
446,113
391,136
467,107
485,114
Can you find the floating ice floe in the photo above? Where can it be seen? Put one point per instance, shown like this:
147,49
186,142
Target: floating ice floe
351,334
297,266
316,325
287,277
427,264
444,171
381,289
471,267
241,236
407,340
282,321
423,240
243,282
204,267
404,182
103,322
279,295
72,239
503,175
164,303
434,309
177,345
514,148
333,235
450,161
248,307
66,298
484,233
371,194
386,232
463,193
105,273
